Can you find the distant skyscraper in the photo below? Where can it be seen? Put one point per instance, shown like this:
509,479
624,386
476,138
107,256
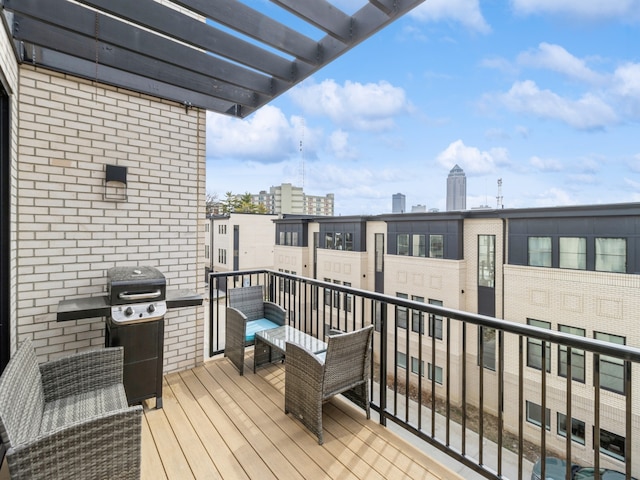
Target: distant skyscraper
398,203
456,189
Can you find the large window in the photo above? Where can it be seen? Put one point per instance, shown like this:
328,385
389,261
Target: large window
436,246
611,369
577,428
486,260
348,241
401,312
534,415
419,245
437,371
577,356
435,321
611,255
487,339
415,364
573,253
534,347
417,316
403,244
539,251
401,359
612,444
328,240
222,255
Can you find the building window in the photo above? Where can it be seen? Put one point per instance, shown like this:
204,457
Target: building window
339,245
327,293
294,239
435,321
487,339
417,317
328,240
222,255
281,240
401,312
206,251
534,347
379,254
534,415
414,366
348,242
401,359
612,445
611,368
577,356
348,298
539,251
438,373
573,253
419,246
436,246
611,255
577,428
336,295
486,260
403,244
222,229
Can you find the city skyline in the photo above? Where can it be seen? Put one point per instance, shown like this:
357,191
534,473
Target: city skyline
543,95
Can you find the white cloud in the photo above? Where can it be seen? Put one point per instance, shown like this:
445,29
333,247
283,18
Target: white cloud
466,12
367,107
588,112
545,164
471,159
553,197
340,147
556,58
265,136
587,9
523,131
626,87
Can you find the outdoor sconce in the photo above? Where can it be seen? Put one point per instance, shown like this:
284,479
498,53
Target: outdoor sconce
115,183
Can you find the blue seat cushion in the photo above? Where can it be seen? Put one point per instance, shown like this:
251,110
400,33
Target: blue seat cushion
257,326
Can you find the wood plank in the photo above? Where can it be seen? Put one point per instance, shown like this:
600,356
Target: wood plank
300,450
226,463
199,459
254,466
278,463
151,465
174,461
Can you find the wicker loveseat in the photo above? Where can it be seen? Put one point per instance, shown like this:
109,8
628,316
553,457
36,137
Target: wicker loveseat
247,314
69,418
311,379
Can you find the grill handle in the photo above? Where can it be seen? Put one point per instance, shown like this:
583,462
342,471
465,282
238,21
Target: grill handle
139,296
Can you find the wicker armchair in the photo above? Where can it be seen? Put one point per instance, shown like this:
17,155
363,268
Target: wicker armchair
247,314
312,379
69,418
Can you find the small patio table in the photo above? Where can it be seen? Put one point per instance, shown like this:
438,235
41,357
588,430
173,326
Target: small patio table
271,344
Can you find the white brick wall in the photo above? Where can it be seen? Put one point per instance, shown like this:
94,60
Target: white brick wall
69,234
9,79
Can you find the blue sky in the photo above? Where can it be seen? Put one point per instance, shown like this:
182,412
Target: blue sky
544,94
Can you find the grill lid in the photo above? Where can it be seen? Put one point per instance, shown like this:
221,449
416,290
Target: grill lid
135,284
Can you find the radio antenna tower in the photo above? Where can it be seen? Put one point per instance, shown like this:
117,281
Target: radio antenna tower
499,196
302,156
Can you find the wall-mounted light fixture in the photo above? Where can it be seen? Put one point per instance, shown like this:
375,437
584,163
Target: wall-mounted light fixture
115,183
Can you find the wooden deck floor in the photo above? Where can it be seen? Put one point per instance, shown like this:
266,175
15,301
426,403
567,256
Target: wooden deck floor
216,424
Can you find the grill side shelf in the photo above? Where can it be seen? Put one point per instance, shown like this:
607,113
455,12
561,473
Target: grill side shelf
86,307
183,298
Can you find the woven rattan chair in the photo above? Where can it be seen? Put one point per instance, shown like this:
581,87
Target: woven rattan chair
247,314
69,418
311,379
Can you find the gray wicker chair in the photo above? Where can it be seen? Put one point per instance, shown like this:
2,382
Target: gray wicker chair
247,314
69,418
311,379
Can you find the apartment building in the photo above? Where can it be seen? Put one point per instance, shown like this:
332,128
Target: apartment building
238,241
569,269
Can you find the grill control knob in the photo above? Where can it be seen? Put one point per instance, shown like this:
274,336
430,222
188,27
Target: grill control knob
151,308
128,311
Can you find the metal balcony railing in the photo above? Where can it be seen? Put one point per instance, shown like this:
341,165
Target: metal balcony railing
484,394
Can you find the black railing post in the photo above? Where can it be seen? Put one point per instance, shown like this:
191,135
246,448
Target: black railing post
383,364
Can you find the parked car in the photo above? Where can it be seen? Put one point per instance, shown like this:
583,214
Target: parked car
555,469
589,473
